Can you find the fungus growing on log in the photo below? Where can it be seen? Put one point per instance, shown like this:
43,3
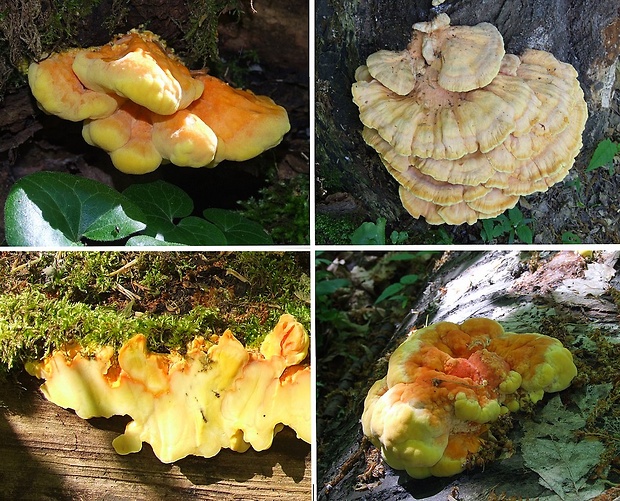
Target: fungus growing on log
143,106
464,128
447,382
216,395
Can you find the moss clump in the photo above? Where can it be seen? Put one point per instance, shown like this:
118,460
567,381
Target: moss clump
334,231
30,29
201,29
33,325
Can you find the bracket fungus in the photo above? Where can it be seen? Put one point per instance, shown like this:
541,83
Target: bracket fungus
447,382
465,128
144,107
216,395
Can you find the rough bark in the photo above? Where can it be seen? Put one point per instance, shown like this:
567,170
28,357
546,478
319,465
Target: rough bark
584,33
50,453
552,293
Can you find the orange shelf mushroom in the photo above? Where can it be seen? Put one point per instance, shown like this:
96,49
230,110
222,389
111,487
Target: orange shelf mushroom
244,123
447,382
216,395
144,107
139,67
465,128
58,90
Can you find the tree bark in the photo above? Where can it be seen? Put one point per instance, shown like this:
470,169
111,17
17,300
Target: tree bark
561,294
50,453
584,33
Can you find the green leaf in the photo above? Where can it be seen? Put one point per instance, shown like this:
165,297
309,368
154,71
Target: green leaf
238,229
57,209
568,237
409,279
487,230
161,203
146,241
195,231
525,234
390,290
515,215
550,448
398,237
402,256
603,154
370,233
326,287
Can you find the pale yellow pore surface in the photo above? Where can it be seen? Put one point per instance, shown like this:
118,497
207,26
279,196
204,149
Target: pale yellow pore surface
213,397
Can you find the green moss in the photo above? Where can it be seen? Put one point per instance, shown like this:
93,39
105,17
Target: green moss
201,31
334,231
104,298
281,281
33,324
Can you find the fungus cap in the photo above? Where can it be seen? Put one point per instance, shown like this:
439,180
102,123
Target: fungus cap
244,123
184,139
59,92
467,57
214,396
453,114
127,136
139,67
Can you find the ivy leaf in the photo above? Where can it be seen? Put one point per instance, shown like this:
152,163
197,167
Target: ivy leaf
146,241
238,229
56,209
163,204
603,154
195,231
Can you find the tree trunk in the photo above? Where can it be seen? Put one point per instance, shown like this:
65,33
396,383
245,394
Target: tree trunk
584,33
560,294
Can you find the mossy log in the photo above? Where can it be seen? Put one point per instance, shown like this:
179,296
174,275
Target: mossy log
561,294
584,33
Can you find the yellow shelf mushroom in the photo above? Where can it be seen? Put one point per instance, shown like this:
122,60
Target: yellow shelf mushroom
447,382
144,107
465,128
216,395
